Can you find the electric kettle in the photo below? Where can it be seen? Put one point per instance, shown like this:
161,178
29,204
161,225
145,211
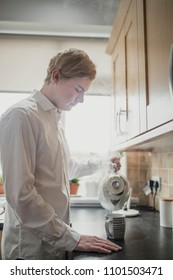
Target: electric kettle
114,191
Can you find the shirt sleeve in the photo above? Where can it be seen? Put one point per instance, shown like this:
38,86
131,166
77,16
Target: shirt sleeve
18,157
80,168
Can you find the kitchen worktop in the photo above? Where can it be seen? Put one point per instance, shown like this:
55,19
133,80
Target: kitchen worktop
144,238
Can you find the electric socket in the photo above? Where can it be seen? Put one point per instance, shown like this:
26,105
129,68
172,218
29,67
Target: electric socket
157,179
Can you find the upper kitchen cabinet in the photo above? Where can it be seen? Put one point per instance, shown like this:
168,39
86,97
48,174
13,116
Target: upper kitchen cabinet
140,45
159,37
126,46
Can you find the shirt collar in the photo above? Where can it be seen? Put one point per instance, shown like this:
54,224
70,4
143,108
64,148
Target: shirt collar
44,102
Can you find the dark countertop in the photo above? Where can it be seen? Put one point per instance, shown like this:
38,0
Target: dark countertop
144,238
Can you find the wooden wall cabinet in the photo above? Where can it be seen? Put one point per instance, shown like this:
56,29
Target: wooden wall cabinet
126,46
159,38
140,46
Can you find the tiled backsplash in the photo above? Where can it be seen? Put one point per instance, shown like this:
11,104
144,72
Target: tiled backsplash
141,165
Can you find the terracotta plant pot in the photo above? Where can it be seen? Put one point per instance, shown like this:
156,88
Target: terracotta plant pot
1,189
74,188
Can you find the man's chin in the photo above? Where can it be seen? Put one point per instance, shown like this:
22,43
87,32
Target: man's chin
68,108
71,106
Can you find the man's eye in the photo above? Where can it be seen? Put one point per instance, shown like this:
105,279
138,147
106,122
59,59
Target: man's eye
79,90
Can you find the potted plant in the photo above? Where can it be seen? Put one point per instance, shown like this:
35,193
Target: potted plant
1,186
74,185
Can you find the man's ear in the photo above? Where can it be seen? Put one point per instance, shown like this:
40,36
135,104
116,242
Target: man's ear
55,75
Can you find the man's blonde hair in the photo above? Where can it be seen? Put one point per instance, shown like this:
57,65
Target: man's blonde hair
71,63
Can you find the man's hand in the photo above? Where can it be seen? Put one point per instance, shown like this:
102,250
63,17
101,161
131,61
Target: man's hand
89,243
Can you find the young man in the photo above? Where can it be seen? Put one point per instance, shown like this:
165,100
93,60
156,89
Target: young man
36,166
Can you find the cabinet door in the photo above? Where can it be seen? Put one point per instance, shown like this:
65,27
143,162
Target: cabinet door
128,78
159,37
132,71
119,79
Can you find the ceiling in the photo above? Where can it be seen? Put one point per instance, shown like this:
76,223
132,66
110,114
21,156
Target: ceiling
92,18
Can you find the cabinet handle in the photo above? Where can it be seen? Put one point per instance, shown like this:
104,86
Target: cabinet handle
171,70
120,113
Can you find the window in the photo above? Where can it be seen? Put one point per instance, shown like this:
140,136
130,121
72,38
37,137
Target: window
7,99
88,125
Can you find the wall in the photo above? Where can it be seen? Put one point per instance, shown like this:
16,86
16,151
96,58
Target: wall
141,165
24,60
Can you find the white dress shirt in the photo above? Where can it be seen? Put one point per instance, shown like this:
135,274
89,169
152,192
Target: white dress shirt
35,161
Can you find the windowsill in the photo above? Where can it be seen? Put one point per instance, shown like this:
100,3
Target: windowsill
77,201
83,201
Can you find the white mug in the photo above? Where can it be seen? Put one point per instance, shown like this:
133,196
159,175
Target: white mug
115,225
